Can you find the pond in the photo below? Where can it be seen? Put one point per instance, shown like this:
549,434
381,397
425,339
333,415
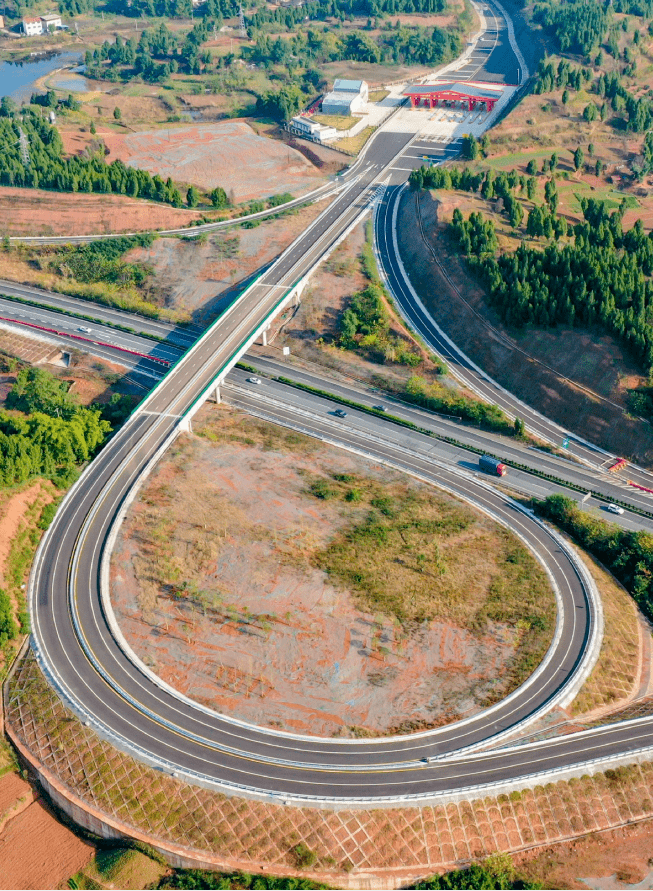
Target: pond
17,78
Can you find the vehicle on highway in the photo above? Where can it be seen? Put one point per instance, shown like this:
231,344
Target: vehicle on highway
339,413
85,330
488,464
379,408
253,380
615,509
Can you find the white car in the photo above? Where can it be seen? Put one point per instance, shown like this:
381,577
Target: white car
615,509
253,380
85,330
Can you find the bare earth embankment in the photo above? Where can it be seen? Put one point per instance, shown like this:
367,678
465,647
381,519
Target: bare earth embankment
37,212
198,276
294,585
576,359
227,154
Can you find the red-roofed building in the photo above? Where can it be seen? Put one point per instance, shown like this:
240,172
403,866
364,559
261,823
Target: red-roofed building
32,25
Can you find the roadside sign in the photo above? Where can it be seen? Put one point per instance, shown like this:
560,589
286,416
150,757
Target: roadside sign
565,442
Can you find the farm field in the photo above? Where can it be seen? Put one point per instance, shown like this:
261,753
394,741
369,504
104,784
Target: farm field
38,851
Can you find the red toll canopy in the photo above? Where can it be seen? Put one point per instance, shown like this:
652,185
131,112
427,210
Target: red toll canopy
430,95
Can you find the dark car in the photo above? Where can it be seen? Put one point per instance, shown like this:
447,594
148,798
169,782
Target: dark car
339,413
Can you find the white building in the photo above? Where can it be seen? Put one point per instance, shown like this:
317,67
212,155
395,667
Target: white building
347,97
309,129
32,25
51,22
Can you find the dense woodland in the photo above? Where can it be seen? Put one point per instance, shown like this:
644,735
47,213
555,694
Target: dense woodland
43,433
32,156
314,9
159,53
601,277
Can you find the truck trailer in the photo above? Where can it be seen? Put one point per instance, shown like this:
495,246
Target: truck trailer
490,465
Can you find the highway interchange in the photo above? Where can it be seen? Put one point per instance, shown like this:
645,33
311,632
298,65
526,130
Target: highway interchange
79,646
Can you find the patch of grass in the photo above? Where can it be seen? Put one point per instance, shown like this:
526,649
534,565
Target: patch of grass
339,121
615,672
255,431
416,556
303,856
353,144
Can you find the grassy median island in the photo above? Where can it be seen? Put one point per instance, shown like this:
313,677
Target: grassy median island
414,556
299,586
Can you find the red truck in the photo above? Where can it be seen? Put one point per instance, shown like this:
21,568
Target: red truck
491,465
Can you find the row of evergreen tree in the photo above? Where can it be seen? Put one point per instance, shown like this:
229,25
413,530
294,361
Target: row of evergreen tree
578,26
32,156
601,278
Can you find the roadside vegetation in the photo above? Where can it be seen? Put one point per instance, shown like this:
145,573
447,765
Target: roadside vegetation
369,326
97,271
203,878
45,434
495,872
48,434
627,554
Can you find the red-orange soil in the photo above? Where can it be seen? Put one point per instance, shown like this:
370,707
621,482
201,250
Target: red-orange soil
37,212
227,154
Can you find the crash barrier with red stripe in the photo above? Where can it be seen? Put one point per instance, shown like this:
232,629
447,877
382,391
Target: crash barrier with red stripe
111,346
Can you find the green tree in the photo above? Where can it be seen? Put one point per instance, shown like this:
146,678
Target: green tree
590,113
192,196
579,157
219,197
37,390
470,147
117,113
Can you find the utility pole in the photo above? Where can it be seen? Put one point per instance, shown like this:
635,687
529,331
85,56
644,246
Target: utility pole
24,146
242,29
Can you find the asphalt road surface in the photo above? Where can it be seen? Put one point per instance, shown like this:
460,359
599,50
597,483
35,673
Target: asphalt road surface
78,646
120,346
